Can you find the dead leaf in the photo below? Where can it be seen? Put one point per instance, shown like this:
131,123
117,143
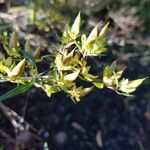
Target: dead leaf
99,139
77,126
147,115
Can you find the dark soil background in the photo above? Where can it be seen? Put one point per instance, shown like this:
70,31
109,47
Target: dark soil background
102,120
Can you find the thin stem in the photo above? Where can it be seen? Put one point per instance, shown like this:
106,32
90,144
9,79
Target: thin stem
34,77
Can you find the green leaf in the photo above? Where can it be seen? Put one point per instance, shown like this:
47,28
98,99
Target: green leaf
16,91
107,72
85,91
46,147
99,85
113,66
14,43
29,57
27,47
83,38
1,147
8,61
8,50
49,89
124,94
89,77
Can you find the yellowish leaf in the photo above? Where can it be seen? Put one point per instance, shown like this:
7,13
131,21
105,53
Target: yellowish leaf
58,61
89,77
76,25
85,69
99,85
93,35
37,52
113,66
27,47
14,43
108,81
72,76
85,91
8,61
66,30
130,86
104,30
18,70
118,74
50,89
135,83
67,58
3,68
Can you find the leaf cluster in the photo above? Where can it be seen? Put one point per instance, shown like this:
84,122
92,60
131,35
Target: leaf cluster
19,65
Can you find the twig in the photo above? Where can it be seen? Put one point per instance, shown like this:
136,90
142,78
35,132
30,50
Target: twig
11,116
16,120
1,81
25,106
7,137
20,126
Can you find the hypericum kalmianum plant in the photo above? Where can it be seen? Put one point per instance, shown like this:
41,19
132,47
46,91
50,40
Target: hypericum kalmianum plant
19,65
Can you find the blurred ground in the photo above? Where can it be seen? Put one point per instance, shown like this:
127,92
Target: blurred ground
103,120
